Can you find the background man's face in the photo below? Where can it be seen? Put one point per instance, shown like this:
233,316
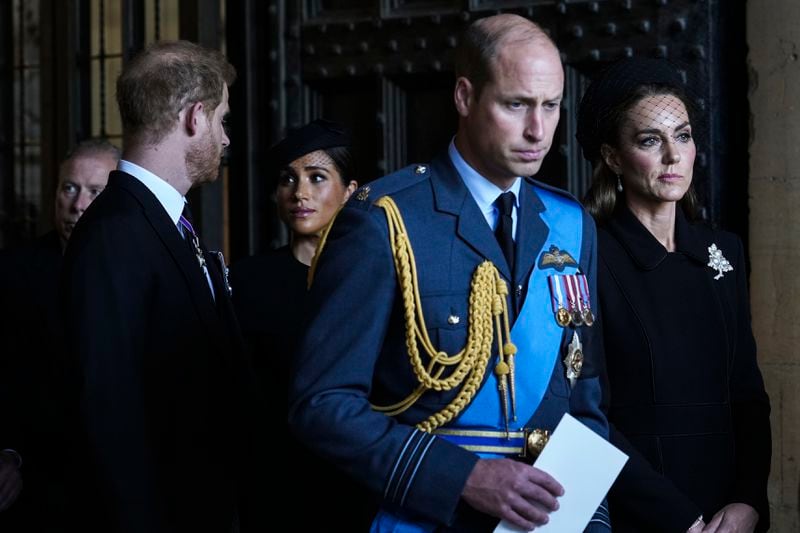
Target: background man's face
80,180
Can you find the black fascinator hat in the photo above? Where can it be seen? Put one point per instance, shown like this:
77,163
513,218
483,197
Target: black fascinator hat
615,86
319,134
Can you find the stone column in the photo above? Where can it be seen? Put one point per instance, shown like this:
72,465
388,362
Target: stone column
773,33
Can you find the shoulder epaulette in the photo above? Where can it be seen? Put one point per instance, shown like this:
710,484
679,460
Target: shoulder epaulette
365,196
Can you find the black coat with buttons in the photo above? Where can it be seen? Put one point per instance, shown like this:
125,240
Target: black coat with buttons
686,398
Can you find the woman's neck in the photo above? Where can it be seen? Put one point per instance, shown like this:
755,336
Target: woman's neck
303,247
659,219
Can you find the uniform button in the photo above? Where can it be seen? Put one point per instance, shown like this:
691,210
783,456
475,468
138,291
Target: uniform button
518,291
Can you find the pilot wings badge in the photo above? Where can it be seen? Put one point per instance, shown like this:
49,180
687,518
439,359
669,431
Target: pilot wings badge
555,258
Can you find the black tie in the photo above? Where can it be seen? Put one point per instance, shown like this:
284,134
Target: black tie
504,232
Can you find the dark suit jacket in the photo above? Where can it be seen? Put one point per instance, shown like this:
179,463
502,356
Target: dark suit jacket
15,518
31,375
354,350
687,400
164,391
30,329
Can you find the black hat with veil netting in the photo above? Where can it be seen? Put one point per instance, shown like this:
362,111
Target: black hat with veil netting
319,134
615,87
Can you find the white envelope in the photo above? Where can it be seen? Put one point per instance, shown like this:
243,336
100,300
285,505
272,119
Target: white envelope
586,465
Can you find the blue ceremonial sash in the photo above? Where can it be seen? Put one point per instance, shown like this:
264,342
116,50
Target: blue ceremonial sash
535,332
397,522
538,339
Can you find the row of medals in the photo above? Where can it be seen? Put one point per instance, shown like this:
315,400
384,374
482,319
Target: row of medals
538,439
574,316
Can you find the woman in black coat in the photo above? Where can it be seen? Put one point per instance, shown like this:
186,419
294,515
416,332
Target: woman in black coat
685,397
312,177
312,171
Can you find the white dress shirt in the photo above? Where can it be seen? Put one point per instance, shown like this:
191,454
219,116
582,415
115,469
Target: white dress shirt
168,196
484,191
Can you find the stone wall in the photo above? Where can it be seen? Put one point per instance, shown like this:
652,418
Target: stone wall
773,28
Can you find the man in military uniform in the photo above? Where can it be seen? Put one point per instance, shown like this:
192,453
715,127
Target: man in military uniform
450,310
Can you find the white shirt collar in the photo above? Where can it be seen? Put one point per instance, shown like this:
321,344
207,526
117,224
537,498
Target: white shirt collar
166,194
483,191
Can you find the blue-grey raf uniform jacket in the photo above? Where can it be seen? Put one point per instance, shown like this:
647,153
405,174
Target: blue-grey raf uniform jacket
354,352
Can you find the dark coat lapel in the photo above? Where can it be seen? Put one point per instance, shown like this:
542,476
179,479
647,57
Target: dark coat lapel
224,306
172,239
531,231
452,196
644,248
215,272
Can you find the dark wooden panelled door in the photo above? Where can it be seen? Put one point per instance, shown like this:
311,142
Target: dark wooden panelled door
384,68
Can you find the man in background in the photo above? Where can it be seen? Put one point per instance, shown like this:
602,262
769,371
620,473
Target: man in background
30,366
81,177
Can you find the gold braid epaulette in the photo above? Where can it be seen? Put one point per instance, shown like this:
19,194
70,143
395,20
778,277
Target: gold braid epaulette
488,312
487,304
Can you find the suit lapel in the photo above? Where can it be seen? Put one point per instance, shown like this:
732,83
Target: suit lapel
173,241
531,231
224,306
452,196
214,273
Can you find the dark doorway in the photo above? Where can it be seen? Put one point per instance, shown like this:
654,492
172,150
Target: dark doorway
384,68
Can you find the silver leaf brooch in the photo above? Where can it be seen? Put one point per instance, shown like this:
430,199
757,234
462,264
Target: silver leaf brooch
717,261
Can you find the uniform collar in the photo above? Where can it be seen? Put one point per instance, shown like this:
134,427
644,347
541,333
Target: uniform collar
483,191
645,249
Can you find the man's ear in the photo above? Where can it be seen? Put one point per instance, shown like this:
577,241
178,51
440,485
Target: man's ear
464,96
194,118
611,159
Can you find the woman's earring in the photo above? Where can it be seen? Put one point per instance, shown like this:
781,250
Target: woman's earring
619,183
